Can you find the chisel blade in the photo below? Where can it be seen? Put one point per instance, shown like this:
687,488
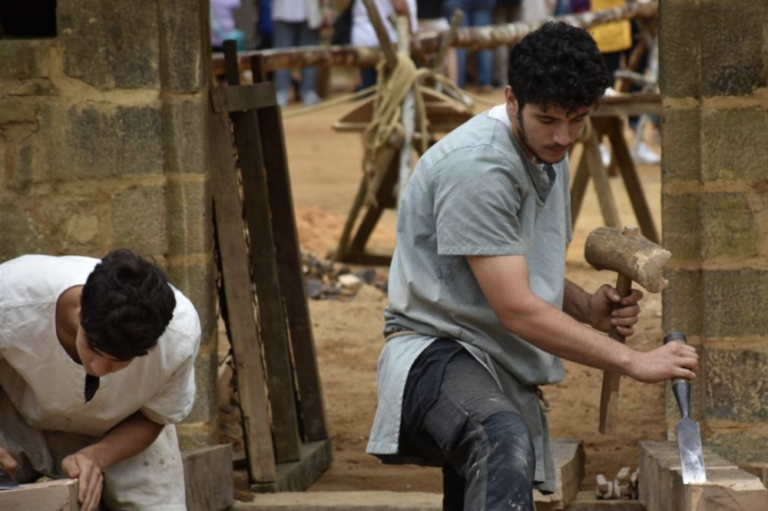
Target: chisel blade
691,457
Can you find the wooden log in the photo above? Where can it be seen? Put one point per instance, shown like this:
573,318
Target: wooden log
209,479
239,303
289,265
60,495
381,33
633,256
407,113
475,38
727,488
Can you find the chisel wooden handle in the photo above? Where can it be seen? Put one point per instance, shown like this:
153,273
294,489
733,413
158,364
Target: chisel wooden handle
681,387
609,397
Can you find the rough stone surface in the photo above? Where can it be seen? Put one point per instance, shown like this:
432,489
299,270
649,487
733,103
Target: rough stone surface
22,170
186,50
732,144
96,140
198,284
186,141
111,45
682,302
732,61
681,228
139,220
735,385
24,58
681,145
735,303
74,224
728,226
742,447
35,87
679,48
21,233
206,389
18,110
189,218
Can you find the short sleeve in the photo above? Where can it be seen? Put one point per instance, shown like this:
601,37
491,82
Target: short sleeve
174,400
477,199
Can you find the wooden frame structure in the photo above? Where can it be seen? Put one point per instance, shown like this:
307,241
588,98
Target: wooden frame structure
608,121
275,359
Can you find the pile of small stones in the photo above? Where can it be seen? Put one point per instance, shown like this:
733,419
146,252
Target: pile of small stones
326,280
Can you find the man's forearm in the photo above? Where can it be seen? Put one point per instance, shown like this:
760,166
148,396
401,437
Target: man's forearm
128,438
576,302
550,329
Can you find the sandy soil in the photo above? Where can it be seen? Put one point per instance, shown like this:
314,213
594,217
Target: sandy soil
325,172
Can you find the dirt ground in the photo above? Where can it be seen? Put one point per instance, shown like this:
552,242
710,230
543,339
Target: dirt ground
325,173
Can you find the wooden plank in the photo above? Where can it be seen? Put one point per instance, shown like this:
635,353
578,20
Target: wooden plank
316,457
264,269
236,274
381,33
641,103
60,495
289,266
239,98
208,478
727,487
631,178
569,463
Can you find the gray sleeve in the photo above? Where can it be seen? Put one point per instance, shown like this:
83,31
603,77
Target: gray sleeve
477,197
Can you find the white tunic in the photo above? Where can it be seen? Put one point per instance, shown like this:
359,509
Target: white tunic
363,33
47,386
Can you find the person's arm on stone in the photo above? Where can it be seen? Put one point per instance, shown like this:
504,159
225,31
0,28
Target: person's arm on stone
597,310
505,283
128,438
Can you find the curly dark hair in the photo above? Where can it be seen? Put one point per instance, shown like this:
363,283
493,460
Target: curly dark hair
126,305
557,65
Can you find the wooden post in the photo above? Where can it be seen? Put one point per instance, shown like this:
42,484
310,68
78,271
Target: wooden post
381,33
602,183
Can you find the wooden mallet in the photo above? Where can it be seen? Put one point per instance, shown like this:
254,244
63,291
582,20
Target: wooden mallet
634,258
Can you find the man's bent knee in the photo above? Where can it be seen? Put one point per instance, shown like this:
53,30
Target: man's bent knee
510,446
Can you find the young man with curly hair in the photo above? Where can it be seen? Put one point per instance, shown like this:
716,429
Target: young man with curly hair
480,311
96,367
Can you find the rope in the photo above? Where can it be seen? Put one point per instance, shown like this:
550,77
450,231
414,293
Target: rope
328,104
386,127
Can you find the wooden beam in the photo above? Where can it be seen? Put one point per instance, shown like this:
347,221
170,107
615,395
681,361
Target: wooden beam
209,479
60,495
239,98
474,38
628,170
601,181
727,487
239,303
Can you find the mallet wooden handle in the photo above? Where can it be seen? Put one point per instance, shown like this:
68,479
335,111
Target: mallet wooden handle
609,397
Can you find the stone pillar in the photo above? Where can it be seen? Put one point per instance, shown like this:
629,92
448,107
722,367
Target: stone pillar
103,144
714,71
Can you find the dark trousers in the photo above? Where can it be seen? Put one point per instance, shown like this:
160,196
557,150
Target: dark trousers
455,416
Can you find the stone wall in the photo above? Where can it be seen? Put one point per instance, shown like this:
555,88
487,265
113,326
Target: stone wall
103,144
714,73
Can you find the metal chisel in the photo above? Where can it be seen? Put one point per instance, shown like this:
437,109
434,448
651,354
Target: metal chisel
688,434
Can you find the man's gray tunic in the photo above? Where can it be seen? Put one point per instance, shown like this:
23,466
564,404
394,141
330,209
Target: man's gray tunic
474,193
